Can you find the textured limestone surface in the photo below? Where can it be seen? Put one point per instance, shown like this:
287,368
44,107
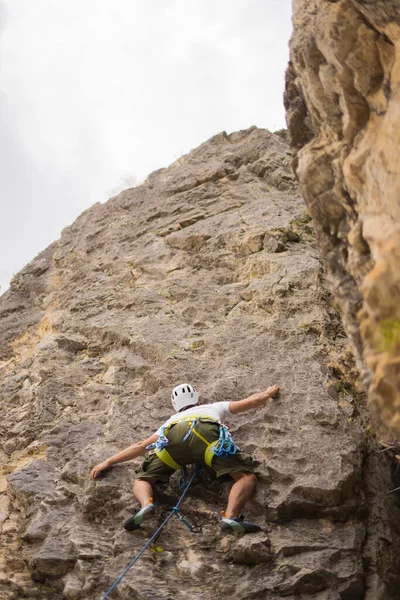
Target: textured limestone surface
343,112
207,273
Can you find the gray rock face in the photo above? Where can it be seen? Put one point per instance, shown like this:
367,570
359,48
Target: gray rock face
206,273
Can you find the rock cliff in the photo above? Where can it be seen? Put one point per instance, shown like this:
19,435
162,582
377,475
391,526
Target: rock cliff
343,109
206,273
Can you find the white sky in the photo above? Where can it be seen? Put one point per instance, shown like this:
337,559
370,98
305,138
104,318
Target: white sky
96,94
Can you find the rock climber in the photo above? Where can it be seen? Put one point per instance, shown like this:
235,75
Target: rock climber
194,434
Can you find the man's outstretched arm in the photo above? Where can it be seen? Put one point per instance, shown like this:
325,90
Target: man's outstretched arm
253,401
134,451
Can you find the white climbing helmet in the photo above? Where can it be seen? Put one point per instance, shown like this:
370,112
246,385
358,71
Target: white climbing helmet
184,395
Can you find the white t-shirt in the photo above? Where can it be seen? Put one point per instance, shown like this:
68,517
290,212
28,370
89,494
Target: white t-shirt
218,411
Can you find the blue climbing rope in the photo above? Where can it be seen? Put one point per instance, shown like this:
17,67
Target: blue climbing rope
174,511
182,478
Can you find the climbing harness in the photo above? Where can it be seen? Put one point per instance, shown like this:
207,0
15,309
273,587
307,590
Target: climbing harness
222,447
175,511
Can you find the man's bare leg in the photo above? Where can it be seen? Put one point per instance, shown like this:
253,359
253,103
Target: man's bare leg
241,491
143,491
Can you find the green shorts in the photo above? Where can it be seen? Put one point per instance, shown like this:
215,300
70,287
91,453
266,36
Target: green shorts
192,451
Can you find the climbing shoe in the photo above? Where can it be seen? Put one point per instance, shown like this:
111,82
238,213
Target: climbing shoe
142,515
237,525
